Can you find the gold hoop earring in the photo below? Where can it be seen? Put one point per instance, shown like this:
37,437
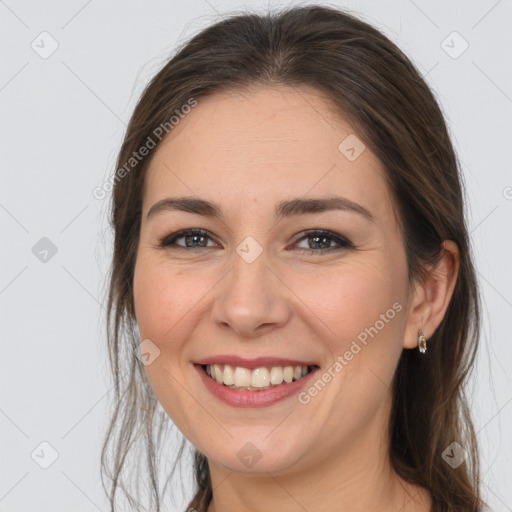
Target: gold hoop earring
422,342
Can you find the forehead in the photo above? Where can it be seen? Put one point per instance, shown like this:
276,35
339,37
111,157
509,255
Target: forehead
265,145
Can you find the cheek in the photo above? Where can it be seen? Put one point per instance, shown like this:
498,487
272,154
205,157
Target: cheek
359,310
163,299
166,307
351,299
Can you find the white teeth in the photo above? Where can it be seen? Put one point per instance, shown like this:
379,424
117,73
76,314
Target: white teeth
219,377
229,375
259,378
276,375
242,377
288,373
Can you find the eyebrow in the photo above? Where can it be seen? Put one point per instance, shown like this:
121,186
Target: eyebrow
288,208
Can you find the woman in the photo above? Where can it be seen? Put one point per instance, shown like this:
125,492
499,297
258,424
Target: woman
291,255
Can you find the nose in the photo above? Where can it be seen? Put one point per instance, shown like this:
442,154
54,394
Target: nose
252,299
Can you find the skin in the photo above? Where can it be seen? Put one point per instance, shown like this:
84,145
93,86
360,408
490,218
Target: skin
247,151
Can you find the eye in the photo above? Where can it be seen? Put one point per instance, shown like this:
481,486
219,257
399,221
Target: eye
194,239
197,239
322,240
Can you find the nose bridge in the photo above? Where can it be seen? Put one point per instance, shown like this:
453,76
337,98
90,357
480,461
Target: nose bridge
250,275
252,296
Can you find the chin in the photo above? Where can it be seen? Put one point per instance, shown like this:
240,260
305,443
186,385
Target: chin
252,453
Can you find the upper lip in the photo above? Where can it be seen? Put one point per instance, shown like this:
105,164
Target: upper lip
257,362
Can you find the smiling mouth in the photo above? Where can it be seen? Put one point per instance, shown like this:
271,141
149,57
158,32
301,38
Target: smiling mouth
257,379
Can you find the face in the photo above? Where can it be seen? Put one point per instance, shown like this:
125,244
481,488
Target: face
274,276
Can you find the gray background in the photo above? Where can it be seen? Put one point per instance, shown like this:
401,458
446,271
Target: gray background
62,122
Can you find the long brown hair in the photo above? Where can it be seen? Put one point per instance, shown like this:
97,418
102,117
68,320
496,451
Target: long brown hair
378,89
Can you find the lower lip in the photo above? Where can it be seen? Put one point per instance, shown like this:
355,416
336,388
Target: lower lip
240,398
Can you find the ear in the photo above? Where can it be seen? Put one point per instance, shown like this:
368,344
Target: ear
429,299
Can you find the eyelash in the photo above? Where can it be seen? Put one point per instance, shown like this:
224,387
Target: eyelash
170,240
